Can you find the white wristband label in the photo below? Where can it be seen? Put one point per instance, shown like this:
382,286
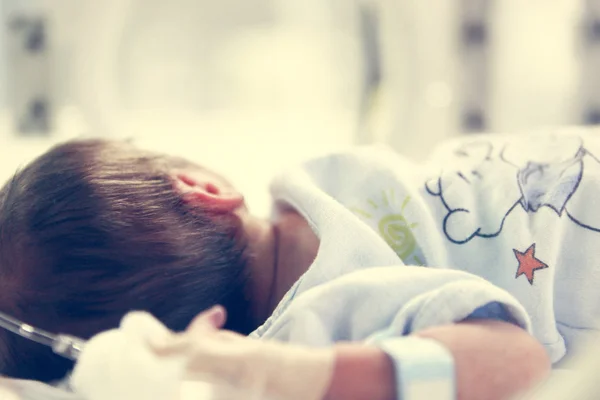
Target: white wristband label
424,368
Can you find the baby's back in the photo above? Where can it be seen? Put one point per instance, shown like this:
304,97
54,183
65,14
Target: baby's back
522,212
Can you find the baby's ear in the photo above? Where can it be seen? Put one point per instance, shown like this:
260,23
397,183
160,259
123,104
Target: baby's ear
206,190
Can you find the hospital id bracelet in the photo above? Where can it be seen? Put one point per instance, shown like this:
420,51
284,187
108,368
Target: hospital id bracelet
424,368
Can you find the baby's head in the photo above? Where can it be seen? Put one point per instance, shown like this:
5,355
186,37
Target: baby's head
94,229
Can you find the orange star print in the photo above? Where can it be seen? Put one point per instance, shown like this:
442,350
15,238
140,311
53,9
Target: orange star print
528,264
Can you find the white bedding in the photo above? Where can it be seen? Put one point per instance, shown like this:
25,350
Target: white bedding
13,389
560,386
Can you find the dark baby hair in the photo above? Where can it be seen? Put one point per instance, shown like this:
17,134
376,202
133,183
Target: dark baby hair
93,229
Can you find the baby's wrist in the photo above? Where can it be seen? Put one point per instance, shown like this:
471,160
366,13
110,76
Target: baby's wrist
299,372
361,371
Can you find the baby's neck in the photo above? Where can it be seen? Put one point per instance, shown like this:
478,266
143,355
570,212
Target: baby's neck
297,247
278,254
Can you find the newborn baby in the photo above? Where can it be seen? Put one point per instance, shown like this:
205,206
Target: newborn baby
468,275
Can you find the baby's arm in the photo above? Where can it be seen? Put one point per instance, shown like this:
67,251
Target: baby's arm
493,360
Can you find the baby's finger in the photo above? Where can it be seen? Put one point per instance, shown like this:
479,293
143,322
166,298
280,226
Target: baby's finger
170,345
212,319
206,322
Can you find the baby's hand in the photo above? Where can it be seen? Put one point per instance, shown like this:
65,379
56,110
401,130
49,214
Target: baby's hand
143,359
263,369
206,325
215,354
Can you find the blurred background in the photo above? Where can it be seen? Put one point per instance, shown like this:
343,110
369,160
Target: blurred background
248,86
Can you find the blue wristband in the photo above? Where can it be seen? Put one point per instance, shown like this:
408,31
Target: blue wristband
424,368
